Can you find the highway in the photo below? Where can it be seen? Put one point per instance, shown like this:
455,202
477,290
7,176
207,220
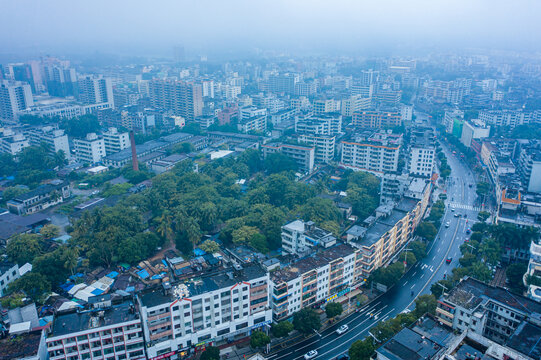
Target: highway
418,280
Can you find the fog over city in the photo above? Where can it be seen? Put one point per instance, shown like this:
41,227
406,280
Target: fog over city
240,26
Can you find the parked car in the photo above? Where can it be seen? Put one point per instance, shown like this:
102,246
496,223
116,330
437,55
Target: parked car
310,355
448,260
342,329
447,224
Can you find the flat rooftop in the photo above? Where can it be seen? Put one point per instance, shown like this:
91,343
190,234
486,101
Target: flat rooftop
527,340
409,345
21,346
81,321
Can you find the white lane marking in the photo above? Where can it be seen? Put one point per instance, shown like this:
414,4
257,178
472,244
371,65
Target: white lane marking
405,282
412,286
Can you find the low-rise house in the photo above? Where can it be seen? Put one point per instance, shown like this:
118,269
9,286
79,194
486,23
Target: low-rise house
40,198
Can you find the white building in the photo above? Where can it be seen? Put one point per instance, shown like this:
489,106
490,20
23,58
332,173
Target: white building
299,236
451,118
473,130
115,141
13,143
8,273
95,90
323,106
509,118
315,280
55,138
205,311
15,97
378,152
324,145
108,332
406,112
354,103
534,269
91,149
327,124
304,156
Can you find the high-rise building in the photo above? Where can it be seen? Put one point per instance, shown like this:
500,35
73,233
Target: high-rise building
55,138
324,145
15,96
21,72
92,90
183,98
60,81
354,103
376,152
329,124
282,83
304,156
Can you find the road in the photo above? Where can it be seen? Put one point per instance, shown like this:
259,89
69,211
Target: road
418,280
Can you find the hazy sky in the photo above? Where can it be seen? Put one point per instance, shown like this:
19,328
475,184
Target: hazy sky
202,25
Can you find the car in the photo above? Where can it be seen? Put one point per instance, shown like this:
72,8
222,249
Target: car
447,224
471,185
452,209
468,231
405,311
342,329
457,215
448,260
342,357
465,216
310,354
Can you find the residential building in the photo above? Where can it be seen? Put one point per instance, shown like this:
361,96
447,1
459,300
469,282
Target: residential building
183,98
534,271
387,97
183,318
327,124
474,129
390,230
325,276
89,150
282,116
304,156
55,138
15,96
23,344
510,118
422,153
354,103
324,106
95,90
40,198
282,83
109,332
376,119
60,81
305,88
453,121
257,123
324,145
299,236
115,141
377,152
490,311
9,272
13,143
529,166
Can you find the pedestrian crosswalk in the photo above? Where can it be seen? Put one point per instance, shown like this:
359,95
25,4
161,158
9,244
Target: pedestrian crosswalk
464,206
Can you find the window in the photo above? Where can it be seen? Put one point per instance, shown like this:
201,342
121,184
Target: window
223,332
242,326
175,308
187,306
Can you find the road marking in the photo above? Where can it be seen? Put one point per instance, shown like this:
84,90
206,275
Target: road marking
412,286
405,282
422,276
414,273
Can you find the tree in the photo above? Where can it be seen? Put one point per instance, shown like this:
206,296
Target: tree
281,329
259,339
278,162
80,126
389,275
306,321
7,165
425,304
483,216
514,273
418,248
333,309
211,353
427,230
23,248
210,246
259,242
362,349
483,188
33,284
244,234
50,231
12,192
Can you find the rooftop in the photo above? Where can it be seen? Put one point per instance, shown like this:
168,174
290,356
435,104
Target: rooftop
527,340
20,346
80,321
409,345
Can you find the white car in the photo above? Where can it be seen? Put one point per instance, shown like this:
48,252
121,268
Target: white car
310,354
447,224
342,329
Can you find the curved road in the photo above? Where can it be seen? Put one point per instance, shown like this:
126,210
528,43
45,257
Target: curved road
419,279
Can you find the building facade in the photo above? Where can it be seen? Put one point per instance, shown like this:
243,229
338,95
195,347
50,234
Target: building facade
90,150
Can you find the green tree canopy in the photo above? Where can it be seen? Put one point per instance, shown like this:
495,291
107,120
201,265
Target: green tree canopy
211,353
333,309
24,248
306,321
34,285
259,339
281,329
362,349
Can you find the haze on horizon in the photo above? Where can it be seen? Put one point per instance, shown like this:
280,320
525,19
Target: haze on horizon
206,26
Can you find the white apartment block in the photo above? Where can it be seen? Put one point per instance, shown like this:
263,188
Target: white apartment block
90,149
15,96
473,130
328,124
8,273
422,160
354,103
99,334
299,236
324,145
115,141
55,138
256,123
304,156
13,143
324,106
315,280
378,153
95,90
451,118
205,311
509,118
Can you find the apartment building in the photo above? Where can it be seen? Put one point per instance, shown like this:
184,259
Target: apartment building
377,152
390,229
453,121
13,143
55,138
509,118
354,103
257,123
324,145
534,270
305,88
474,129
186,317
376,119
325,106
183,98
304,156
95,90
529,166
422,154
315,280
490,311
112,332
89,150
42,197
328,124
299,236
115,141
15,96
